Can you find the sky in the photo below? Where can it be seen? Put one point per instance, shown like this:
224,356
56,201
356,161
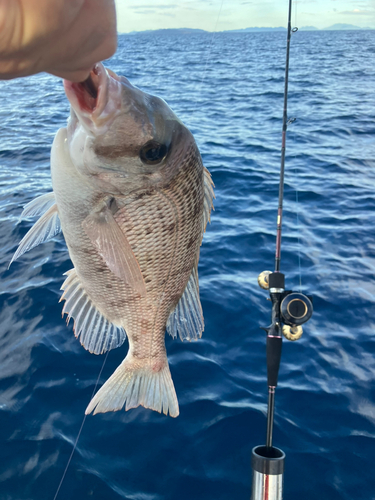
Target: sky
219,15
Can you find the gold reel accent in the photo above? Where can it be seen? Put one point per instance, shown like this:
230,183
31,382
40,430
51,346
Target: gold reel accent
292,332
263,280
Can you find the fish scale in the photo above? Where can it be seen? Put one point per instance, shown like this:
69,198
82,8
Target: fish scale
172,261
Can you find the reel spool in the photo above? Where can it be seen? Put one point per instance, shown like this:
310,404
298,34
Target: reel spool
296,309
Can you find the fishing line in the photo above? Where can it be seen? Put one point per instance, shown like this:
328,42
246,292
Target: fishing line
298,243
293,139
79,432
297,198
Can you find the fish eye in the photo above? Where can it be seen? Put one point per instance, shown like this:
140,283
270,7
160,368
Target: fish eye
153,153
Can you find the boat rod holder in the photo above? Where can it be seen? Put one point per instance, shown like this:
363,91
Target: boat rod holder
268,473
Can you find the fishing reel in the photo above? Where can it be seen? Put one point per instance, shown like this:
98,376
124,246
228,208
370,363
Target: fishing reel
290,308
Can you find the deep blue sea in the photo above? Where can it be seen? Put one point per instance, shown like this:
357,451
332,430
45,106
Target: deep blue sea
228,89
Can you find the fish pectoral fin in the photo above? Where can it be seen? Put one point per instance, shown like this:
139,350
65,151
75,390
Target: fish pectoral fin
113,246
38,206
95,332
135,382
186,319
209,197
43,230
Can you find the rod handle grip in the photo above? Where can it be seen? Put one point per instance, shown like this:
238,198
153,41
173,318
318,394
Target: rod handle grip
274,346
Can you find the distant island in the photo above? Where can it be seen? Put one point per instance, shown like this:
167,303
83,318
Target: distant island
343,27
246,30
192,31
170,31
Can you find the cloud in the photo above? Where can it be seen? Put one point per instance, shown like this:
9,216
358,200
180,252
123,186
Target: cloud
358,12
160,6
154,9
158,14
147,11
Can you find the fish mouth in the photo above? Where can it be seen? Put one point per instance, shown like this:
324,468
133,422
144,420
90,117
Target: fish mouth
96,99
86,96
87,91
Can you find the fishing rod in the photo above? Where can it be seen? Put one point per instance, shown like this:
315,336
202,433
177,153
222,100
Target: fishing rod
290,310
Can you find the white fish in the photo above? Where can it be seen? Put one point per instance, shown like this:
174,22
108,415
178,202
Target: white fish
133,199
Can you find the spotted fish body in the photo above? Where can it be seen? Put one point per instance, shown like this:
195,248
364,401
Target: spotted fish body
133,200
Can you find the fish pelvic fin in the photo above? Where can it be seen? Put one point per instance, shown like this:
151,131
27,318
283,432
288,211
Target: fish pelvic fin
38,206
137,382
43,230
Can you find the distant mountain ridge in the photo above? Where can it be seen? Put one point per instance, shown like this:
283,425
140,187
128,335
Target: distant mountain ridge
340,26
167,31
173,31
280,28
308,28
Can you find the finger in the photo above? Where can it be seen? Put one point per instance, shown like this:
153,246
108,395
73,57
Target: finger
72,76
76,35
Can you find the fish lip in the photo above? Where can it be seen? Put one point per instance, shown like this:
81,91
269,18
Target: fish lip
81,96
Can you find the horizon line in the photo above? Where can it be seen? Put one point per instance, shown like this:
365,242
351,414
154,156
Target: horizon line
351,27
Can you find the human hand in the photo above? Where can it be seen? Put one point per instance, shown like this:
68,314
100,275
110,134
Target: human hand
62,37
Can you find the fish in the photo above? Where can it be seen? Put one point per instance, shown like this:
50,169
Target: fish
132,199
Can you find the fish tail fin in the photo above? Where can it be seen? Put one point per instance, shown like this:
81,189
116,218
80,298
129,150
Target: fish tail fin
136,383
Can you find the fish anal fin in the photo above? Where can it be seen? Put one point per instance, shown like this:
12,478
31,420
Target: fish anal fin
95,332
114,248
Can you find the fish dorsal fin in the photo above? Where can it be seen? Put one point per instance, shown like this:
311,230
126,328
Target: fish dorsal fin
209,197
43,230
94,331
39,206
187,318
113,246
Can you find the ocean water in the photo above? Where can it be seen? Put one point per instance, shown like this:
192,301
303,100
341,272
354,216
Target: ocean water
228,88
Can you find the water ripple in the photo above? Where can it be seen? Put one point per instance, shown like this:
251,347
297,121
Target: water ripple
230,96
